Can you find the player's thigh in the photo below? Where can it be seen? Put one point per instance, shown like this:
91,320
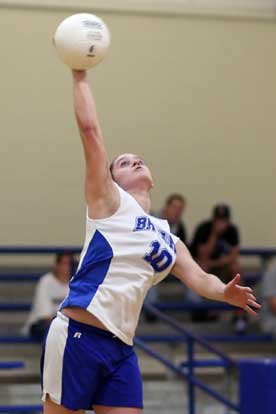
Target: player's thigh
104,409
49,407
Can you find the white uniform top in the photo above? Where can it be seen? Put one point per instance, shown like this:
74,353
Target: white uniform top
49,294
123,256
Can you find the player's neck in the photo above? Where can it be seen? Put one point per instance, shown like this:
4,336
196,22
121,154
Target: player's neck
142,198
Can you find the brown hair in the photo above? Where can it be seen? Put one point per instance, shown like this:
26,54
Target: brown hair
175,196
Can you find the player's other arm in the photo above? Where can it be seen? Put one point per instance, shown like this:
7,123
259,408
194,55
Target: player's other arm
101,194
210,286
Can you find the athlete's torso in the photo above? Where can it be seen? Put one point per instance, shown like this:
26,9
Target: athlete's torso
123,256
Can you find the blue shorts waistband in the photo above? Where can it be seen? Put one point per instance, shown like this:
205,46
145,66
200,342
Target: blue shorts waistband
87,328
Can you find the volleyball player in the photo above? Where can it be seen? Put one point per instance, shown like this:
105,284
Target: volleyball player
88,359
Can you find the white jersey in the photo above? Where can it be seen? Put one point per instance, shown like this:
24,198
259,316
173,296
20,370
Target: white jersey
123,256
49,293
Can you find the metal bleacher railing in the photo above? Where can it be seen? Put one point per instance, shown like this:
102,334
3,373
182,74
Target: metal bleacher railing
187,369
256,376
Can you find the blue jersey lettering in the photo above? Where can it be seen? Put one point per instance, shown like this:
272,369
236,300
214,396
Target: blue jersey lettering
144,223
159,259
141,223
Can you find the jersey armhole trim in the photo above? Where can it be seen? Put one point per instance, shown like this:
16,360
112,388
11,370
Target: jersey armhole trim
92,220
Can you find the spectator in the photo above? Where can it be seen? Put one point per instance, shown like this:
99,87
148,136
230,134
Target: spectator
215,244
172,212
51,290
268,313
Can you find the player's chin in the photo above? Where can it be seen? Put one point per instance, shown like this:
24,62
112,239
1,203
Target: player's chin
145,178
143,172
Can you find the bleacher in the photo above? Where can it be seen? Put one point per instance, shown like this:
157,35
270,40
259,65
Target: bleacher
17,288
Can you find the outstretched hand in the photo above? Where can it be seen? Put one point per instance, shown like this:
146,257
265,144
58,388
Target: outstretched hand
241,296
79,74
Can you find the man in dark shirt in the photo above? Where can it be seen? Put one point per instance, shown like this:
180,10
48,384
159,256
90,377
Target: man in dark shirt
215,245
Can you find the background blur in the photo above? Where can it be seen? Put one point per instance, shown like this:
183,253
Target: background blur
195,95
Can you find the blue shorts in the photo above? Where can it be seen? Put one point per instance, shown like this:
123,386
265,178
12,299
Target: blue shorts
82,366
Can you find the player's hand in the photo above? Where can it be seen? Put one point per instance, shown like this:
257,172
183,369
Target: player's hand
79,74
241,296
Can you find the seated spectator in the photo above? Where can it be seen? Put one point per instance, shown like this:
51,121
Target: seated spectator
215,244
268,312
51,290
172,212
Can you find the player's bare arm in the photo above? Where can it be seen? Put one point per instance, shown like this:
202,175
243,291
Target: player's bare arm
101,193
210,286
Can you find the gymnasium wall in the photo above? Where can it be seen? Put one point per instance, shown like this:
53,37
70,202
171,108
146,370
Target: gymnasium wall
195,96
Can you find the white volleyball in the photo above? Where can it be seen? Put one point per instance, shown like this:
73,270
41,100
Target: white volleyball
82,41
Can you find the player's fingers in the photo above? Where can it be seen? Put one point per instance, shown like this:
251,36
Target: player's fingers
235,280
246,289
254,304
250,296
250,311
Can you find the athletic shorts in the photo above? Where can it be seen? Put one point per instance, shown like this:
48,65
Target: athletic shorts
82,365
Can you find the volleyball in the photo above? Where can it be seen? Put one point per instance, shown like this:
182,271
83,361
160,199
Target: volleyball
82,41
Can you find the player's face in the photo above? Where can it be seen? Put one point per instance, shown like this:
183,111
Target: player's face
130,170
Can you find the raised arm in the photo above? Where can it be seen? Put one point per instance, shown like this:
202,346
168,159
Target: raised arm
210,286
101,193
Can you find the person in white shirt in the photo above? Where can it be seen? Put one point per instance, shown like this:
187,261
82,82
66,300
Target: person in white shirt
88,361
50,291
268,289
